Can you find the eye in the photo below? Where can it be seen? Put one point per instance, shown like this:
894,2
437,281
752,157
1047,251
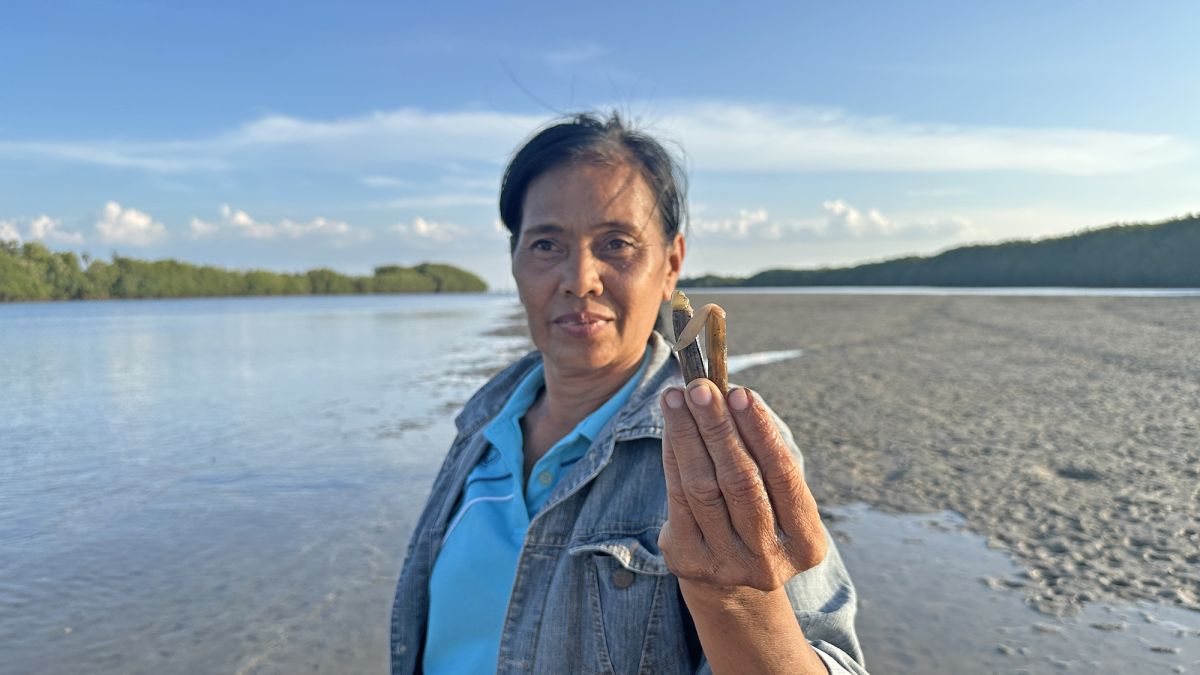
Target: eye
618,244
541,245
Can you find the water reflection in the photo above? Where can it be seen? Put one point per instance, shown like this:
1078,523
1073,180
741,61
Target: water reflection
203,485
925,607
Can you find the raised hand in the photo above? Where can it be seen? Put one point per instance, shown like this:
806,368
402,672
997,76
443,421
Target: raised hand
739,513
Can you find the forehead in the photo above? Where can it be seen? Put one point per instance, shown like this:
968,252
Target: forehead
585,195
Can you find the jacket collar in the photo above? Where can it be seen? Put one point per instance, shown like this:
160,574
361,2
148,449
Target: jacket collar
640,416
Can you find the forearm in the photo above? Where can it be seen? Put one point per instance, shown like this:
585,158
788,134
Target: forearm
748,631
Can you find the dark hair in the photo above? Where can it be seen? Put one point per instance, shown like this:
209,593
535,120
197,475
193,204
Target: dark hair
589,137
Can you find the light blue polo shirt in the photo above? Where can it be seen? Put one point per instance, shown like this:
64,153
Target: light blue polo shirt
473,574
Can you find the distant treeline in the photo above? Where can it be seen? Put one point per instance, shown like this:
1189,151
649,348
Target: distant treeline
1151,255
30,271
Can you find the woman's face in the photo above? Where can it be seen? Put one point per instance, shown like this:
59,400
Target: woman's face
592,266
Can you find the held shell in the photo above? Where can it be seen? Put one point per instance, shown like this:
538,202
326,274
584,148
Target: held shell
688,326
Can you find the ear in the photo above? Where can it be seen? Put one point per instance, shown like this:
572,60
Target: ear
675,254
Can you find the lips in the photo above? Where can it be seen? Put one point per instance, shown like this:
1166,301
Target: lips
580,318
581,324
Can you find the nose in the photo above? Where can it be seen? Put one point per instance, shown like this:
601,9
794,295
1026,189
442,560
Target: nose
581,275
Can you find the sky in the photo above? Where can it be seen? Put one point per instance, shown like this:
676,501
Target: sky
294,135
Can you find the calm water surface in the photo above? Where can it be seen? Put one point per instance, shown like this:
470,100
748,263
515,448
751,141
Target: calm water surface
222,485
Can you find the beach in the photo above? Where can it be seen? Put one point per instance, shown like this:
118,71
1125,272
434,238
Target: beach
228,485
1064,432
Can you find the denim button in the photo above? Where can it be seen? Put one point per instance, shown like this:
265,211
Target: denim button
545,478
622,578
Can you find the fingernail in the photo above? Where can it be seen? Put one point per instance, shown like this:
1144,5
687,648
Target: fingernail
701,394
674,398
739,400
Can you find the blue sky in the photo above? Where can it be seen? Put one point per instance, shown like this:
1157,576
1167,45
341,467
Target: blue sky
294,135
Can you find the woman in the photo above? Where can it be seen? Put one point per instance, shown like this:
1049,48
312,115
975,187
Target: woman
593,515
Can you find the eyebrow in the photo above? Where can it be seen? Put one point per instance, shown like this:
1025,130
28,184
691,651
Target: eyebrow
551,228
547,228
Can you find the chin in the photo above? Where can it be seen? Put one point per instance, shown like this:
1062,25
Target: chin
580,357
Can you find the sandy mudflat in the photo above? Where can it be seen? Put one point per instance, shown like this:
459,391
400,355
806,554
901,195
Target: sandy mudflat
1065,430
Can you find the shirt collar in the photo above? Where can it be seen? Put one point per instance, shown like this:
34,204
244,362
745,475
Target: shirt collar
592,424
508,420
639,415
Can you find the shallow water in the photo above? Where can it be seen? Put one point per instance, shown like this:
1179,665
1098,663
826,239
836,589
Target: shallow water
740,362
222,485
925,606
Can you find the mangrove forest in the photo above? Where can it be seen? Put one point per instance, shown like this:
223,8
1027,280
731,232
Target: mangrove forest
30,271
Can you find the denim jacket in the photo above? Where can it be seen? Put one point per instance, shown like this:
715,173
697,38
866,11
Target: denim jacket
592,592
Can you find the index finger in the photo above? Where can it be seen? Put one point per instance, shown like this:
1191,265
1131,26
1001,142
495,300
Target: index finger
679,513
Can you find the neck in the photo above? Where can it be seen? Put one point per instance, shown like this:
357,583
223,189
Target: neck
570,397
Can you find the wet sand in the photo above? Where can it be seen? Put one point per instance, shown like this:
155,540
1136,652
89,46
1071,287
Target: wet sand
1064,430
935,619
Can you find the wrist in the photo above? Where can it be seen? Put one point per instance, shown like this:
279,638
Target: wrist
745,630
730,600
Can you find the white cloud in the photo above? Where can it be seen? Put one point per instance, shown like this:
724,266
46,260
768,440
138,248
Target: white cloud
844,220
119,225
9,232
42,228
241,224
369,140
425,229
200,229
733,137
45,228
841,222
407,134
748,222
719,136
318,226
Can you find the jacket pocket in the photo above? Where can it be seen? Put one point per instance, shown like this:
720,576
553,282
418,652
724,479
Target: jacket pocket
630,598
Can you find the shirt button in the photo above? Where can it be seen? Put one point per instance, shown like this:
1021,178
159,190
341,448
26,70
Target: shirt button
622,578
545,478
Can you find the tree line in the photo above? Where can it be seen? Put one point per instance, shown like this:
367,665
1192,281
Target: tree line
1141,255
30,271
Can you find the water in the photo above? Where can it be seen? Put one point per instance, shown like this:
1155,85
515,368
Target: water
925,607
1016,291
739,362
222,485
